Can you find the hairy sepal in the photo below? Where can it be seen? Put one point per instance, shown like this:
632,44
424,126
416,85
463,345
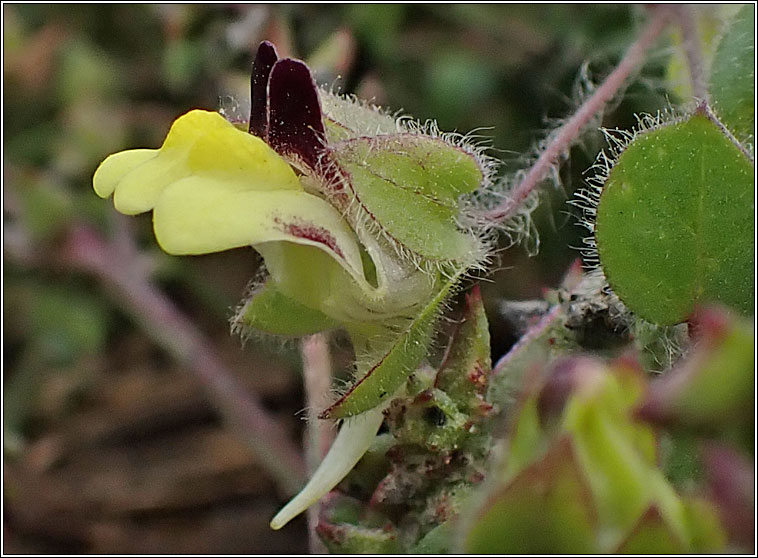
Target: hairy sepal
348,117
270,311
407,187
395,363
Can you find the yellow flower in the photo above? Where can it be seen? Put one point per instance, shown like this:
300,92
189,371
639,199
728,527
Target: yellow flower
355,213
213,187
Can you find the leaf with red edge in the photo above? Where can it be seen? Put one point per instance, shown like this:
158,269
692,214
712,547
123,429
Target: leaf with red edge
712,389
651,535
547,508
731,483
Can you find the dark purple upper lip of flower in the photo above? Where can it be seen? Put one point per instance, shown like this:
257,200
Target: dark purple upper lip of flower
265,59
285,110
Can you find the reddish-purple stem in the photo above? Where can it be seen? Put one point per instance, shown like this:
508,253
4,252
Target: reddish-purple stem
703,108
693,51
569,132
527,338
317,375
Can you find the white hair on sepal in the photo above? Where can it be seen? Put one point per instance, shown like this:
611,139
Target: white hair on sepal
479,148
360,117
239,327
364,222
237,323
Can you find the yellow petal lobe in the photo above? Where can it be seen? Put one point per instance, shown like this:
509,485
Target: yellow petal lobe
198,143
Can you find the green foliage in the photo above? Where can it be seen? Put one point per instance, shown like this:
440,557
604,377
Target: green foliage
61,342
46,209
85,72
608,461
404,180
395,364
675,222
597,486
732,83
57,347
552,494
270,311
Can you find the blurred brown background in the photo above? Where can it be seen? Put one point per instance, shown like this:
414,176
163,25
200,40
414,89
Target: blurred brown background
112,443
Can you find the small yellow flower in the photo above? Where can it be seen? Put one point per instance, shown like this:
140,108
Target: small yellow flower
355,213
213,187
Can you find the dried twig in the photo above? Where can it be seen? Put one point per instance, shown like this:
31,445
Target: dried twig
118,268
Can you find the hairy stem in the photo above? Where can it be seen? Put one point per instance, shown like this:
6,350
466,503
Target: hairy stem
116,265
693,51
317,373
570,131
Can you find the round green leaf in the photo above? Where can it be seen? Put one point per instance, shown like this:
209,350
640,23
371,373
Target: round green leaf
732,84
675,222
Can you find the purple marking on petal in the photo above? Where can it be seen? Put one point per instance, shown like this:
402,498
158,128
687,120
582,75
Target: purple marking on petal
265,59
315,234
295,124
309,231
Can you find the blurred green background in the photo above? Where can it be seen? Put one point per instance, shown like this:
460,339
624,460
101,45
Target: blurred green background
110,446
